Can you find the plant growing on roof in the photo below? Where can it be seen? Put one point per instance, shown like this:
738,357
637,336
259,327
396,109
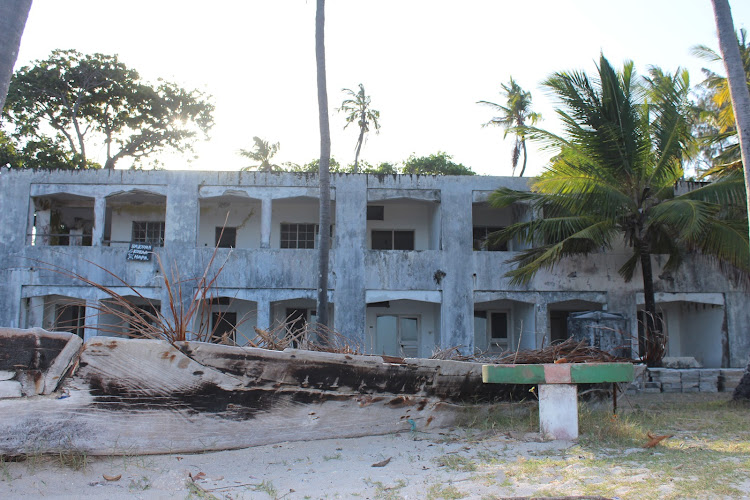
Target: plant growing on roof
613,179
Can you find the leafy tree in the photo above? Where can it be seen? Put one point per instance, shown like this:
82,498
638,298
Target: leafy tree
613,181
13,15
435,164
719,131
383,168
324,239
737,80
358,109
262,152
83,99
514,115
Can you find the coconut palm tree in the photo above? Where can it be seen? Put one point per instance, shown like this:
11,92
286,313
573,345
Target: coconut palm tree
262,152
13,15
324,239
738,89
358,110
721,142
513,118
613,180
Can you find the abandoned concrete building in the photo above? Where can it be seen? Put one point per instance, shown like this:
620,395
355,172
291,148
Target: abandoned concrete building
410,265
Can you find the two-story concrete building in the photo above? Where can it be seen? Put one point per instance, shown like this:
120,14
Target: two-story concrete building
410,266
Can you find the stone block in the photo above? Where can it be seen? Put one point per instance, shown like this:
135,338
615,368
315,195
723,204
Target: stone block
709,380
10,389
651,387
729,378
683,362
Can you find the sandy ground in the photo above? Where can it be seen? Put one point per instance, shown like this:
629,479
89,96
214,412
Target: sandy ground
418,465
456,463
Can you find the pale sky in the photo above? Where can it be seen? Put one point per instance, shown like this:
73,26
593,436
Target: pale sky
424,63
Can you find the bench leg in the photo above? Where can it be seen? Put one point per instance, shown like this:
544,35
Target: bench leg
558,411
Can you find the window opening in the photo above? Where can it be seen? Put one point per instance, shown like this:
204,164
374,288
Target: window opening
375,212
392,240
223,327
226,238
481,239
148,232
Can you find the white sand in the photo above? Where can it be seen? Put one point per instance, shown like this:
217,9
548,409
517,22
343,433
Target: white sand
340,468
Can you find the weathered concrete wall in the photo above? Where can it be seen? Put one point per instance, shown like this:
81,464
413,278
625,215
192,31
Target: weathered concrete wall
445,273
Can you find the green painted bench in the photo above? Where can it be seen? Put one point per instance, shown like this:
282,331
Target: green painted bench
558,389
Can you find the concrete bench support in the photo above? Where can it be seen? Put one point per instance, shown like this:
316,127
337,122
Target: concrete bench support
558,389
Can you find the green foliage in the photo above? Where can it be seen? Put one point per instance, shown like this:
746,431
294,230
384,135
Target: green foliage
716,126
262,152
358,109
70,101
513,118
435,164
613,179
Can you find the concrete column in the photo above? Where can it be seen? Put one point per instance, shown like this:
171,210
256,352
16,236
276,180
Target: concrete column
35,315
541,320
348,262
91,320
456,261
265,222
558,411
43,228
264,314
100,210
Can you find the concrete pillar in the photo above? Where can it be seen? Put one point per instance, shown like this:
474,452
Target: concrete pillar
35,316
348,263
91,325
265,222
100,211
43,228
457,311
264,314
558,411
541,322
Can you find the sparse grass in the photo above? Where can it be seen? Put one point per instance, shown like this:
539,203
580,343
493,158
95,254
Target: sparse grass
386,492
73,459
449,492
456,462
141,484
266,487
327,458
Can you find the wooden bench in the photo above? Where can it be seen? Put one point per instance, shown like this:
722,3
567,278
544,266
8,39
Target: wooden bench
558,389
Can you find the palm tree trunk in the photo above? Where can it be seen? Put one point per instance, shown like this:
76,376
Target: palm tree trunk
13,15
652,325
359,148
324,239
738,90
737,80
523,167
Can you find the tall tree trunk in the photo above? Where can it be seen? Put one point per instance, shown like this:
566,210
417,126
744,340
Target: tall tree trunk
738,90
652,325
737,80
523,167
324,239
359,148
13,15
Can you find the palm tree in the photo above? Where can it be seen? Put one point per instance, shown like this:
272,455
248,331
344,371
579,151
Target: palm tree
13,15
359,110
736,76
613,179
262,152
324,241
514,115
720,142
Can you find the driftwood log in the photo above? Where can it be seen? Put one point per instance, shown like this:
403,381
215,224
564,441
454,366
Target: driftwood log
112,396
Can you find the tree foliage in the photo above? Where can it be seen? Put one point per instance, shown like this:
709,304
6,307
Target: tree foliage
717,127
613,182
513,118
262,152
359,110
434,164
74,102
